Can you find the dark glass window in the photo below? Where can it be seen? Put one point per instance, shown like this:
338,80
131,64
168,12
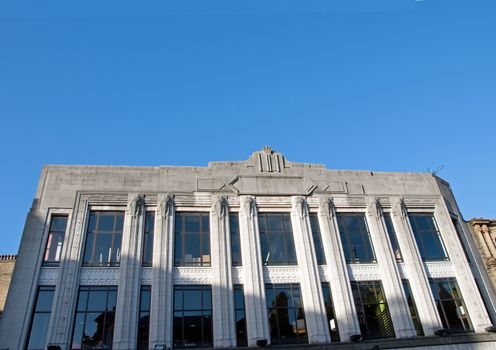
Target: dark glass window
103,239
95,313
427,236
331,316
144,318
192,316
459,231
276,238
450,305
239,310
148,238
317,239
413,308
372,310
392,237
192,239
55,240
286,315
235,241
39,321
355,238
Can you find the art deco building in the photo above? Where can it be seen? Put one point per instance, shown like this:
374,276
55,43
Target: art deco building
245,253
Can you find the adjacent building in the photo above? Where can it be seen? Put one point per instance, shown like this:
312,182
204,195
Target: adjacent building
484,233
244,253
7,263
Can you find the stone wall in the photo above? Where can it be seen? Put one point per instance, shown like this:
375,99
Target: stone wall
484,231
7,263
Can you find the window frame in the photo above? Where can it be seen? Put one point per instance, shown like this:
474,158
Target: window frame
147,236
181,262
34,312
318,243
420,244
349,248
267,234
52,215
238,237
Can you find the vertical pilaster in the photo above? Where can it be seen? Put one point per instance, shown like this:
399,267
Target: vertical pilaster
391,279
222,291
254,288
417,276
126,315
344,305
313,301
161,306
473,300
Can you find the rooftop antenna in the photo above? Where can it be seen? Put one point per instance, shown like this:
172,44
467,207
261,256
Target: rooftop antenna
438,169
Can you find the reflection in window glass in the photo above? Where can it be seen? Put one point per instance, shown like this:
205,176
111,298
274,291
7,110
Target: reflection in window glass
235,241
148,238
392,237
331,317
144,318
192,239
286,315
276,239
372,310
103,239
413,308
450,305
427,236
41,316
317,239
55,240
239,310
192,316
355,238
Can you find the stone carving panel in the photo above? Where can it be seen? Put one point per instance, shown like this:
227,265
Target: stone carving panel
146,275
439,269
98,276
192,275
48,276
323,273
403,271
237,275
364,272
281,274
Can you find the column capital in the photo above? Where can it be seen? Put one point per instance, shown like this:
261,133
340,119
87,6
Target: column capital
300,208
326,207
220,206
135,205
165,205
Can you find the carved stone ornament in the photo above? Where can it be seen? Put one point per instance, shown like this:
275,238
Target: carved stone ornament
221,207
374,208
400,209
48,276
165,205
281,274
136,205
267,150
326,207
247,204
299,204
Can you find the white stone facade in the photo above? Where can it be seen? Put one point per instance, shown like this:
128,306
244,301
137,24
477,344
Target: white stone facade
266,182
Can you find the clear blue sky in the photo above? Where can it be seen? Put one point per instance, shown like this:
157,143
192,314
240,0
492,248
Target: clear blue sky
397,85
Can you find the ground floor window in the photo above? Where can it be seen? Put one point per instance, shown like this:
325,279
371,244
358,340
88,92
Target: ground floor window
192,316
372,309
286,315
95,314
144,318
41,317
413,308
331,316
239,310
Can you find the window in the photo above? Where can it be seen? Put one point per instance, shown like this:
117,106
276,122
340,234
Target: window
427,235
355,238
192,239
276,238
55,240
192,316
450,305
239,310
459,232
372,310
94,323
103,239
317,239
331,317
41,316
144,318
392,237
286,315
235,241
148,238
413,308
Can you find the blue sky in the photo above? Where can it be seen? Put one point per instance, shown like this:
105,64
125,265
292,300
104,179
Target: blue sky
381,85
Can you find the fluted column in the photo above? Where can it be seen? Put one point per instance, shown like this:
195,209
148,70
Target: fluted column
256,311
414,266
391,279
126,315
311,288
161,304
222,291
344,305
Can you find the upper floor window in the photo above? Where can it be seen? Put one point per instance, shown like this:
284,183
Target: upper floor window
317,239
235,241
355,238
392,237
459,233
148,238
427,236
103,239
192,239
41,316
276,238
55,240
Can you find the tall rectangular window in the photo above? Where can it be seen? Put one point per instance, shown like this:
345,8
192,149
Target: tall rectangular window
392,237
331,316
427,236
144,318
103,238
55,240
286,315
192,239
317,239
276,239
372,309
239,310
39,321
355,238
192,316
459,232
95,313
450,305
413,308
235,240
148,238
